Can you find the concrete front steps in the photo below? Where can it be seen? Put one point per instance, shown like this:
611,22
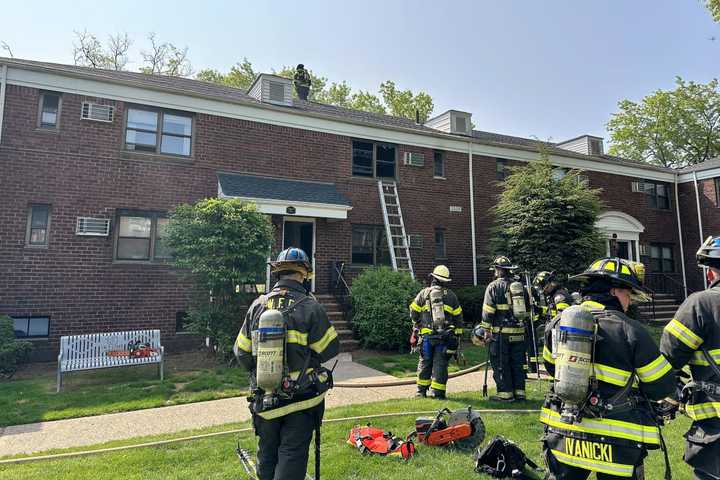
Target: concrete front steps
342,325
665,307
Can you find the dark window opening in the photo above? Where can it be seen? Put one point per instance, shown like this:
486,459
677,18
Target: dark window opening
181,322
500,169
658,194
439,164
49,110
140,237
661,258
369,245
31,327
38,225
717,192
158,132
440,251
373,159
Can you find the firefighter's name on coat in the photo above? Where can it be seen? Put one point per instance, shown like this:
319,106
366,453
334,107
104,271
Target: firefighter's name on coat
589,450
279,303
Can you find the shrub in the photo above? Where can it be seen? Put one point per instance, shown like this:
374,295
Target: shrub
380,299
471,300
13,352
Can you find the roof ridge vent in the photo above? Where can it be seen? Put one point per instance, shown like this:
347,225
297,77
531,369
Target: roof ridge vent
274,89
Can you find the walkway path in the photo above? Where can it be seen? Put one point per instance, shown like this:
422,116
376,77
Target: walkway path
77,432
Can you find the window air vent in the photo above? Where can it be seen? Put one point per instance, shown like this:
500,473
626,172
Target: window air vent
96,227
276,92
644,250
97,112
415,159
638,187
583,180
415,241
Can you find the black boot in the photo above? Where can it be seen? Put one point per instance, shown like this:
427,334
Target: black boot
438,394
421,392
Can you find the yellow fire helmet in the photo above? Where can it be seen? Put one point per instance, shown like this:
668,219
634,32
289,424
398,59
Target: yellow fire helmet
441,273
620,273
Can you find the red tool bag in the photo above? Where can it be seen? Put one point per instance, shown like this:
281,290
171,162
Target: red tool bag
370,440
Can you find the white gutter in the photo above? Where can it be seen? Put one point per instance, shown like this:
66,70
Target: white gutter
700,225
680,236
3,88
472,213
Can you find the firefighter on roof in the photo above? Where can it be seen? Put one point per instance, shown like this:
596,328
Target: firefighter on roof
605,366
437,323
283,341
693,337
503,328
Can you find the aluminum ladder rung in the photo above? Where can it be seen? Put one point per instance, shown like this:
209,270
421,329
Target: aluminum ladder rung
389,199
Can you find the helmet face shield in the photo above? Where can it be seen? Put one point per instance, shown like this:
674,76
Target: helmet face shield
708,255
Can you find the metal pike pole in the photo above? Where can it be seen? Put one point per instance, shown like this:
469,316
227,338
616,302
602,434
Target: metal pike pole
533,309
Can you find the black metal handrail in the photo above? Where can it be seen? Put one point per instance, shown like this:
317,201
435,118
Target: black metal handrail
660,282
340,287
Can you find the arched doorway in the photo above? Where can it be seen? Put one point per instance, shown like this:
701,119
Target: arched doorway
622,229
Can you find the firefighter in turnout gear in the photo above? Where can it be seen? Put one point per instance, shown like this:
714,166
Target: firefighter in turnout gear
437,324
606,368
504,332
282,343
693,337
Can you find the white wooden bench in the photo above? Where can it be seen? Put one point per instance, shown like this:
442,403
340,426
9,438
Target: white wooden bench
107,350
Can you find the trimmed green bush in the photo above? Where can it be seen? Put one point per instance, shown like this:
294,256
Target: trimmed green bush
13,352
471,300
380,308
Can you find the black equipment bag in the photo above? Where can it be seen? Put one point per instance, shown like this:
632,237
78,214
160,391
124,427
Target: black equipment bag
501,458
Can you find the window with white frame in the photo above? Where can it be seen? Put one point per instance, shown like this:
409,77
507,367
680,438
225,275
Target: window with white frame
158,131
49,114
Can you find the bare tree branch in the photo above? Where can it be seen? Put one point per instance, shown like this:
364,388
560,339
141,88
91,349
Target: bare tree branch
87,50
118,46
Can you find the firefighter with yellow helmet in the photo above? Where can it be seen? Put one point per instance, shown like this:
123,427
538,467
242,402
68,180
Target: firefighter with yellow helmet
606,368
285,338
437,320
693,338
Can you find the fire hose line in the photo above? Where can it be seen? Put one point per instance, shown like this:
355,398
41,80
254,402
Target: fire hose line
59,456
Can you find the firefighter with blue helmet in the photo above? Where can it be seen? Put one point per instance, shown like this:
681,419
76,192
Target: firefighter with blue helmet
285,338
693,338
606,369
437,320
551,298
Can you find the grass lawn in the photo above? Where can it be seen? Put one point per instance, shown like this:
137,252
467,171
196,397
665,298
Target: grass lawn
214,458
31,397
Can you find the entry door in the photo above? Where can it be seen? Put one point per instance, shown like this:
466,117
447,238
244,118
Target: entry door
624,249
300,234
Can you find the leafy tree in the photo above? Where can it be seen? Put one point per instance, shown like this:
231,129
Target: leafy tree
547,223
222,244
165,59
403,103
12,351
671,128
714,7
241,75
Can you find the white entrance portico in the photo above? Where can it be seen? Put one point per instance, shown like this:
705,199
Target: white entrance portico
623,229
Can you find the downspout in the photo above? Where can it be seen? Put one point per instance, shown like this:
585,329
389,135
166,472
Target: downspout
680,236
3,88
700,226
472,213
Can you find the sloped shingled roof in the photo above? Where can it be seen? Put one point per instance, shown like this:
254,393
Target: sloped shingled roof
251,186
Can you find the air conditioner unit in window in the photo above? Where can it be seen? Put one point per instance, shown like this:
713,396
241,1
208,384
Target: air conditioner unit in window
97,112
415,159
415,241
644,250
638,187
95,227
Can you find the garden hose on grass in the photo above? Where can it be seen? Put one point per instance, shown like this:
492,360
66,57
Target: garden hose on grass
157,443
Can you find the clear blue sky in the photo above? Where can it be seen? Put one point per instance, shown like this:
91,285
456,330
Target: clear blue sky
552,69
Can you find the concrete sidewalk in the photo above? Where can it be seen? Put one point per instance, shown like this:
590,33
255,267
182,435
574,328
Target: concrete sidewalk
78,432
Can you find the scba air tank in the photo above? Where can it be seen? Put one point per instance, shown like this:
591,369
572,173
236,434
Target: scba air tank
574,336
517,297
437,307
270,350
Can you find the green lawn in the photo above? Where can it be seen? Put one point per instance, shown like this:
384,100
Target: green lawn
31,397
214,458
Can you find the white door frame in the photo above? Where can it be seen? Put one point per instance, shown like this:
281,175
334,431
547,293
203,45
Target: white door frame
625,227
314,239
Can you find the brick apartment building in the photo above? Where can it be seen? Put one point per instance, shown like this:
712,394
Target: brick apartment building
91,162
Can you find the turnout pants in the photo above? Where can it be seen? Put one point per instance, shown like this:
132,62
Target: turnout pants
433,366
702,450
283,444
564,457
507,358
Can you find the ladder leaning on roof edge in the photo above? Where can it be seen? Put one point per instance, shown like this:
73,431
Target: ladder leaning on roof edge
398,244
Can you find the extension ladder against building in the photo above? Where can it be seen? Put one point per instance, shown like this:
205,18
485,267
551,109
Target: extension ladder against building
398,244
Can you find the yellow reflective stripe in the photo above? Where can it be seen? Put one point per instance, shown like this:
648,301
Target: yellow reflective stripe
703,411
485,325
458,331
452,311
437,386
611,375
418,308
615,469
292,408
654,370
611,428
505,395
699,359
520,392
425,331
502,306
487,308
593,305
295,336
322,344
296,374
243,343
544,309
423,383
547,355
450,352
508,330
562,306
684,334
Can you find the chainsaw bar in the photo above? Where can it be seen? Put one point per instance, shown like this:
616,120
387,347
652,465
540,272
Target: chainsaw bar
478,428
